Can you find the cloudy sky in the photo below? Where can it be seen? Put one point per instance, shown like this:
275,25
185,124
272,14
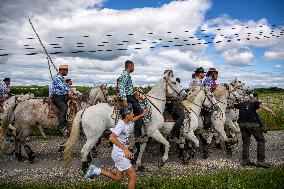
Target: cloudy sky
242,39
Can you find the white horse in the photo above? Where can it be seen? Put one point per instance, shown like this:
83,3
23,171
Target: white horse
232,115
199,97
96,119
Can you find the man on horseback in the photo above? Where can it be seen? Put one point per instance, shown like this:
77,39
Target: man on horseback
173,106
4,92
210,80
59,92
197,78
125,93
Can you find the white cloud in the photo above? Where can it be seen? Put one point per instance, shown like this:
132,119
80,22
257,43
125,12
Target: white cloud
241,56
274,55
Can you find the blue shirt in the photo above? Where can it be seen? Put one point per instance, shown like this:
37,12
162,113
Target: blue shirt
4,89
125,85
210,82
58,85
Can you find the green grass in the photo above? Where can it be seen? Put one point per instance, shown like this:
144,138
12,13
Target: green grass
274,101
256,178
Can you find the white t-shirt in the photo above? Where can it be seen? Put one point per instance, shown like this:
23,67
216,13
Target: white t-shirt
122,131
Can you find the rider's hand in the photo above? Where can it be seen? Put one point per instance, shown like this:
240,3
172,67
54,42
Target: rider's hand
145,112
127,153
273,114
125,102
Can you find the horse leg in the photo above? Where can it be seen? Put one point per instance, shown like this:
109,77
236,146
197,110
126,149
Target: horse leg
18,149
205,146
219,126
30,153
41,131
140,167
191,136
90,143
160,138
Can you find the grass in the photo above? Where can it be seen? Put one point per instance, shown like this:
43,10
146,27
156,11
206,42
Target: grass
255,178
274,101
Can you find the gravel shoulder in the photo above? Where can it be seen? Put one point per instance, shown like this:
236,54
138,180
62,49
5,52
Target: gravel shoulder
48,167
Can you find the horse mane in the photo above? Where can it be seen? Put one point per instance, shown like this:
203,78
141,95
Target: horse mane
193,93
219,91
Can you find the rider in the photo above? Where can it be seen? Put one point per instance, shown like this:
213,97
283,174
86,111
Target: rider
4,92
59,92
173,106
197,78
125,90
210,80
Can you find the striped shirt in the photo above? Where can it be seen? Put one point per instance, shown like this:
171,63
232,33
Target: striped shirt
125,85
145,104
4,89
58,85
210,82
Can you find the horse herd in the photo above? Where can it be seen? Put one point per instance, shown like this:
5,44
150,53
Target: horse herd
95,118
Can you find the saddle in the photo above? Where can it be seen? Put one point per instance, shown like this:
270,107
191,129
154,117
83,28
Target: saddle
168,117
53,111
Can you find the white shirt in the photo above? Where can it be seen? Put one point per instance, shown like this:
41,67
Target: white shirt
122,131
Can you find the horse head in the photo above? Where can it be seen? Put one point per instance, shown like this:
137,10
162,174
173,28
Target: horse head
173,88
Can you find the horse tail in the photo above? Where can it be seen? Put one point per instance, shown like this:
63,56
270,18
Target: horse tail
69,147
5,126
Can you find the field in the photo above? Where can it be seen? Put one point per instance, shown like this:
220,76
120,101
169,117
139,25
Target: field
274,101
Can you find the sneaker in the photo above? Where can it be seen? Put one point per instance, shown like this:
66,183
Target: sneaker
247,163
262,164
92,171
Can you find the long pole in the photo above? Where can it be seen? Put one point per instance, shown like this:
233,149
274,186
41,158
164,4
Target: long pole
48,57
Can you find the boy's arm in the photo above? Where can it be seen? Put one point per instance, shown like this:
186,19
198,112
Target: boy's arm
114,140
141,115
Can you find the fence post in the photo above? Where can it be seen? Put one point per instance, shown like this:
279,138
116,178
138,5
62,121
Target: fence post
283,103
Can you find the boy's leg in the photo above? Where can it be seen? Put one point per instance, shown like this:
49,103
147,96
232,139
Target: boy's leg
114,176
131,172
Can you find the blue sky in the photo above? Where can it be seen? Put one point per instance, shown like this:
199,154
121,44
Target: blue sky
257,62
272,10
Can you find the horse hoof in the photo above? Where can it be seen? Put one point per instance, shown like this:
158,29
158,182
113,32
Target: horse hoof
140,168
89,159
61,149
160,165
85,166
184,162
205,156
20,158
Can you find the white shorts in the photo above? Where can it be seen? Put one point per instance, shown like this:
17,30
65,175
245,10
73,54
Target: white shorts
120,161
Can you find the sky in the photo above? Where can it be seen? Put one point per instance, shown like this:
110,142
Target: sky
241,39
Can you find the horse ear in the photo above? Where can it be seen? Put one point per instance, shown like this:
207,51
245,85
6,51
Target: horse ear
227,86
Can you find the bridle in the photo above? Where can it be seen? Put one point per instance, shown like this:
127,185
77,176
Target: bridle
164,100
